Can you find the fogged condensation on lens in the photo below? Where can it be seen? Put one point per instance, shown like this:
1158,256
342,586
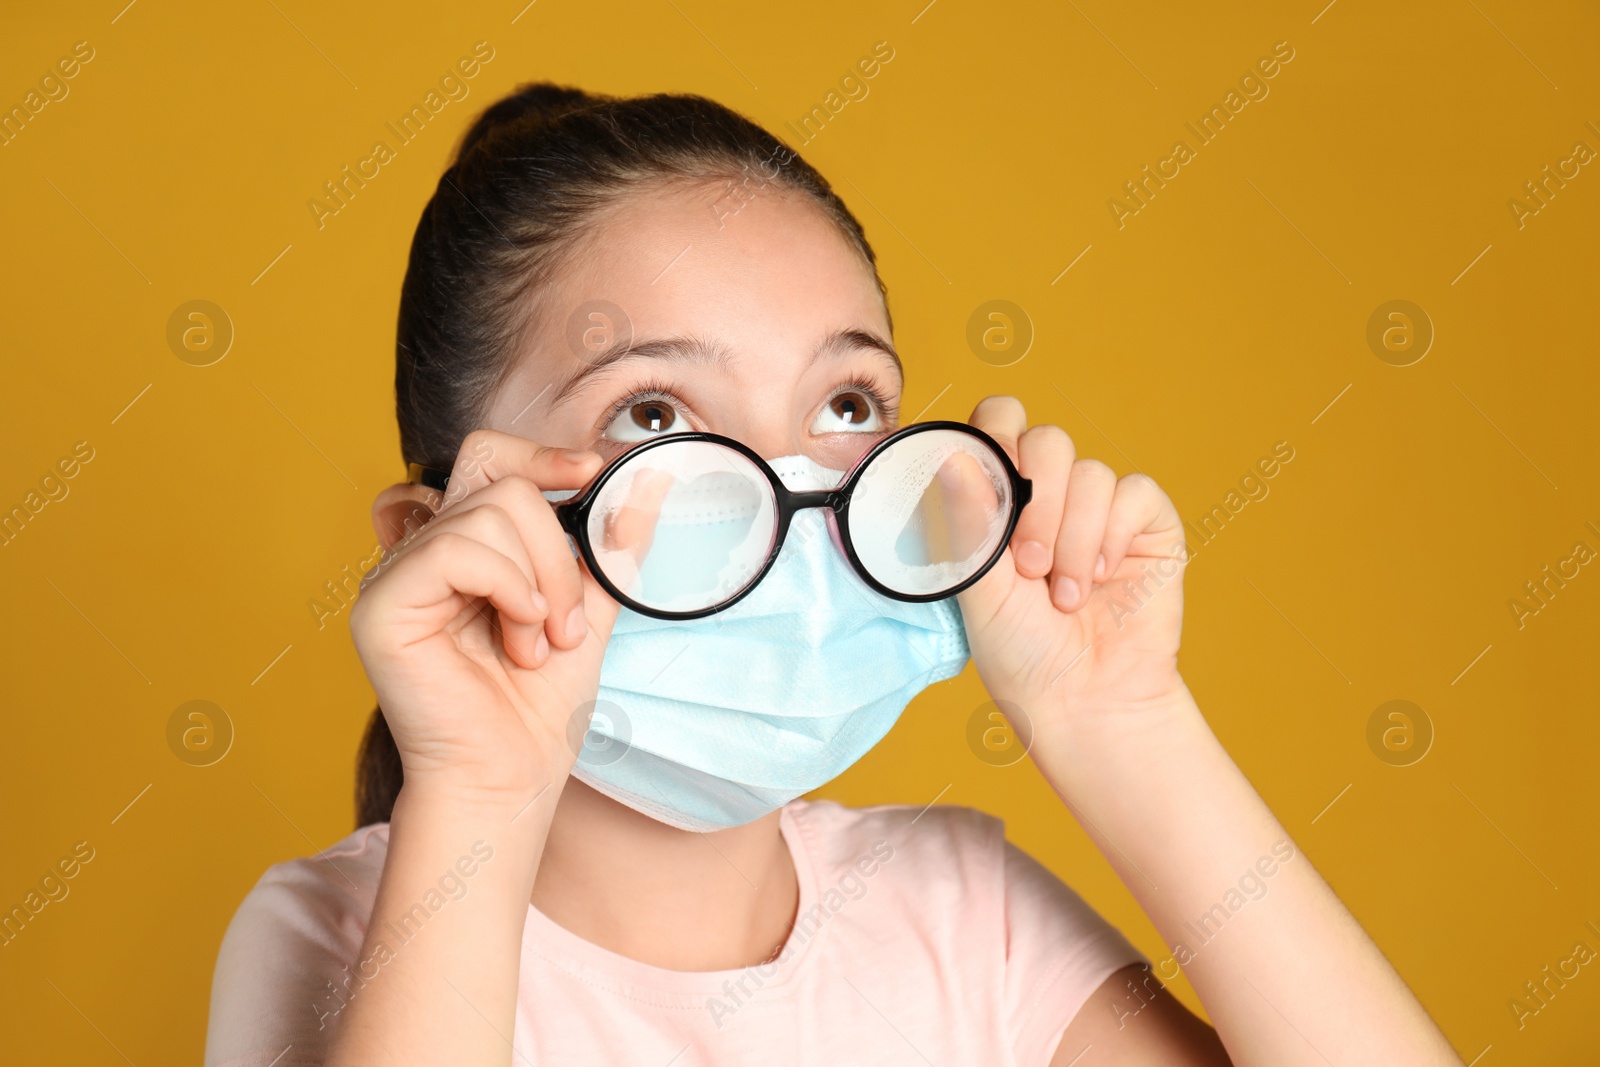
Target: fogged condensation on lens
683,526
930,511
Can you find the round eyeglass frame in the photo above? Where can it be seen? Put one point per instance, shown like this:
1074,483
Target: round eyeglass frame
573,514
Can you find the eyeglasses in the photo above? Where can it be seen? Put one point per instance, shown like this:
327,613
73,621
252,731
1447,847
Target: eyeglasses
685,525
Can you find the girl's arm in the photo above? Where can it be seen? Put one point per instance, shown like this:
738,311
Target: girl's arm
1285,972
1075,634
481,637
440,986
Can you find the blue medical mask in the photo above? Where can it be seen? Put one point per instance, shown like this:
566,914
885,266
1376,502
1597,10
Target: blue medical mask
713,722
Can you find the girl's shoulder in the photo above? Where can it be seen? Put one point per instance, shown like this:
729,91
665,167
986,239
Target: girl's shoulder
286,951
942,882
361,852
930,864
342,879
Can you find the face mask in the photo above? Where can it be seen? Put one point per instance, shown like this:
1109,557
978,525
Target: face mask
709,723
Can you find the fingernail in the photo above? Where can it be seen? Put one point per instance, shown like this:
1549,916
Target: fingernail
1099,567
540,604
576,455
577,625
1066,591
541,648
1033,556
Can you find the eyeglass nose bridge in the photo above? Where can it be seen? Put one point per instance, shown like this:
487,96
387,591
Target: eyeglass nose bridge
832,499
791,503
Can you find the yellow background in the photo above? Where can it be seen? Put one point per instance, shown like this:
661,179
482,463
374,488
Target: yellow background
1223,318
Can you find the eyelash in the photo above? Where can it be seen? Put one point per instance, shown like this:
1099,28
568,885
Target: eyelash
885,404
658,390
653,389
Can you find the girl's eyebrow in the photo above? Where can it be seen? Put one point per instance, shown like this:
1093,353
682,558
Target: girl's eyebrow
842,342
692,349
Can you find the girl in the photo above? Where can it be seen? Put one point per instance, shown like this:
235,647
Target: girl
582,833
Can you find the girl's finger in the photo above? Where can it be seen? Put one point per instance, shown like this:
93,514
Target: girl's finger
488,456
1002,418
631,528
959,509
484,520
512,516
1140,506
555,569
438,577
1046,455
1090,487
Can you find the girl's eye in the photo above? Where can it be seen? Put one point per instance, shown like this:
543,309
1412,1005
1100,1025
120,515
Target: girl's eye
849,411
644,419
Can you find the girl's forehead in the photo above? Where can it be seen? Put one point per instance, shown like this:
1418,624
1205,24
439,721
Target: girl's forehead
763,287
675,261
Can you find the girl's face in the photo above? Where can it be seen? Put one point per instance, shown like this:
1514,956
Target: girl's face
750,317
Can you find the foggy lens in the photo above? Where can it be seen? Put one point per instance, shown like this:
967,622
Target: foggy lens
683,526
930,511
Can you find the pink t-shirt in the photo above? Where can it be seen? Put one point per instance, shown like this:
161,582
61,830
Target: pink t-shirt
922,936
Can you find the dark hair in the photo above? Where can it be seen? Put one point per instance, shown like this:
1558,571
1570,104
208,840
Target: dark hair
530,179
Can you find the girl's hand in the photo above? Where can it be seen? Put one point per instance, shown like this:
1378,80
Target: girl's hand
482,634
1081,615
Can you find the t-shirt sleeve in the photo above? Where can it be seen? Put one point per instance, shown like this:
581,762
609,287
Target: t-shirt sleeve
295,932
1058,951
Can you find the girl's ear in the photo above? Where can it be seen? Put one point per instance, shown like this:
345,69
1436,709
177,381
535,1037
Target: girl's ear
401,509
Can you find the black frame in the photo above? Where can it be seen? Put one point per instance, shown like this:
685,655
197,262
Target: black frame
573,514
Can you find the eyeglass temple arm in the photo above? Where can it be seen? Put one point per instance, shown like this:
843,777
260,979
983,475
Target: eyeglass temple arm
434,478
